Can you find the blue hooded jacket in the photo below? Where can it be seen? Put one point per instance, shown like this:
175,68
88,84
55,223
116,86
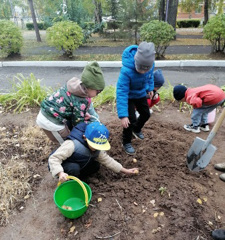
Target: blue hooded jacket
131,84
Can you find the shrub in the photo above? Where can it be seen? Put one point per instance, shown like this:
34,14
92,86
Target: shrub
26,92
188,23
214,31
108,95
11,39
41,26
66,36
160,33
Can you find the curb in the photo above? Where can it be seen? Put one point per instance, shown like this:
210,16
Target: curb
114,64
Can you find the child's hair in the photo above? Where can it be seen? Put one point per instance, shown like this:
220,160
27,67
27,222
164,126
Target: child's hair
179,92
92,77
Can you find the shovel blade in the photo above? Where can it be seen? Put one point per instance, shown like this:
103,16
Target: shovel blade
198,157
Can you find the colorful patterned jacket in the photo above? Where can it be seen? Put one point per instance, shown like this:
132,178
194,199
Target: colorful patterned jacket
69,103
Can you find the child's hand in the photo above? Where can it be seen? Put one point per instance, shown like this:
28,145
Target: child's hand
87,116
125,122
130,171
63,176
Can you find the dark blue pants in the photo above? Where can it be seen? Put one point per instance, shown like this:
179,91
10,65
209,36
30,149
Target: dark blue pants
74,169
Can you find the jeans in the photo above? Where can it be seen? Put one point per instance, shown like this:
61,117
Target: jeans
199,116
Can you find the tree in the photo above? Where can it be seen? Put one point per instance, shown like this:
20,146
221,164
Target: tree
134,13
5,10
206,11
162,10
34,20
220,7
172,12
98,11
214,31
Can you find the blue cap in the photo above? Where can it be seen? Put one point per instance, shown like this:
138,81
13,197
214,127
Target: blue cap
158,78
97,136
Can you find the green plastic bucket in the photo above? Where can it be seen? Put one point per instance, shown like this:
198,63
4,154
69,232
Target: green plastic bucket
74,195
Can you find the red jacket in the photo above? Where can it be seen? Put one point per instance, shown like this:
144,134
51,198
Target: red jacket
205,95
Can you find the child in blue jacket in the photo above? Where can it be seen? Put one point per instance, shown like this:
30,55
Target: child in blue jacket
136,77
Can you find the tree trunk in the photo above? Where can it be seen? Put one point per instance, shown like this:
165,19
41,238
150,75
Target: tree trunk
98,11
162,10
172,13
206,11
34,20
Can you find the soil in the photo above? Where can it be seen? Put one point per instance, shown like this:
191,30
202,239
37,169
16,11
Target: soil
132,207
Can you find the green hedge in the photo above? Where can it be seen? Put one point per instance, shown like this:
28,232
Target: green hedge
41,26
188,23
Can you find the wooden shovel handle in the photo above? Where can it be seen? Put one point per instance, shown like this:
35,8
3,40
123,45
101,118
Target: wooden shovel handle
219,122
214,130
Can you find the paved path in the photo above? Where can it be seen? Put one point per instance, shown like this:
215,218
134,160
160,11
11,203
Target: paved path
57,76
118,50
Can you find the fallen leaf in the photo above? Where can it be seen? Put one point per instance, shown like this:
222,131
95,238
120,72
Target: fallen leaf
72,229
134,160
204,199
135,204
210,223
88,223
219,217
99,199
199,201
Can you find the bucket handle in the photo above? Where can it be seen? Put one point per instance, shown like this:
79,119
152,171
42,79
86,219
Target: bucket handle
82,185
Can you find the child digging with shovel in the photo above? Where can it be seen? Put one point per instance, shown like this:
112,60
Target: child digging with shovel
203,99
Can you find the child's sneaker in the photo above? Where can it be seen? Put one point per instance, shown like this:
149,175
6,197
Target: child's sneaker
191,128
139,135
129,148
205,127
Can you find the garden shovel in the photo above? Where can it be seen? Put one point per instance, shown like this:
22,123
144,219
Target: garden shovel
201,151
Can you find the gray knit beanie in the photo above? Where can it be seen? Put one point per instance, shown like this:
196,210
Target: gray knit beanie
92,76
145,56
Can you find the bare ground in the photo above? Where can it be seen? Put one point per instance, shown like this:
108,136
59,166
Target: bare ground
131,207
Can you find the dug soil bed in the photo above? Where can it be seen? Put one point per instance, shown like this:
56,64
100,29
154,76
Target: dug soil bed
165,201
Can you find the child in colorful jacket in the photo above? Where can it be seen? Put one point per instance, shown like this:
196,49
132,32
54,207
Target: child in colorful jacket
136,77
203,99
71,104
81,154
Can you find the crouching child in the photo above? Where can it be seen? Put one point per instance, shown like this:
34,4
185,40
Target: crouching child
81,154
